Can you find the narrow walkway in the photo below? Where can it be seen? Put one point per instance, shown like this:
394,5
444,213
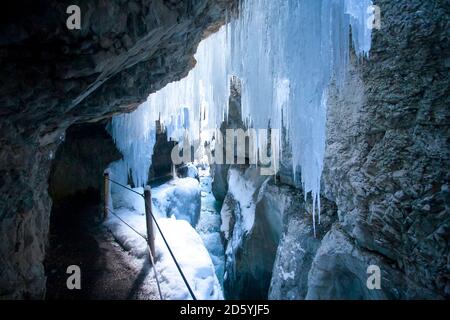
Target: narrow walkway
177,198
112,266
107,272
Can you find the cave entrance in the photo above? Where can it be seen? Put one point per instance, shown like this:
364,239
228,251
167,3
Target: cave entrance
76,234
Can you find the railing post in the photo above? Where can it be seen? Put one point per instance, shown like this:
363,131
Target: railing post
106,194
149,220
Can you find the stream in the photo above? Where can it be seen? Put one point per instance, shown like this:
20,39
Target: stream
208,226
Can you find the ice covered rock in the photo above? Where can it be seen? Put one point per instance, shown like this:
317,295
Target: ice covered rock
188,171
251,225
179,198
298,245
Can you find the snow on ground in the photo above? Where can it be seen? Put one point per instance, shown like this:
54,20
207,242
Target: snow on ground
194,260
185,242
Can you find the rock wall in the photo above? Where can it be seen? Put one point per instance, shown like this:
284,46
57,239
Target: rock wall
388,154
24,217
298,246
386,169
124,51
219,172
161,157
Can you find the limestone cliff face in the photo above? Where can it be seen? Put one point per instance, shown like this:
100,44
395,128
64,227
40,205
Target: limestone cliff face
388,150
385,185
52,77
386,167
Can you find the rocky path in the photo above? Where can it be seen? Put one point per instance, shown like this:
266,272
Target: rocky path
107,272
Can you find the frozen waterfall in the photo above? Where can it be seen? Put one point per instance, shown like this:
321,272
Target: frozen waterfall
185,107
286,54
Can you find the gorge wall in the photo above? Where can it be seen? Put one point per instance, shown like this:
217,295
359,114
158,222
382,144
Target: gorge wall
52,77
385,184
387,156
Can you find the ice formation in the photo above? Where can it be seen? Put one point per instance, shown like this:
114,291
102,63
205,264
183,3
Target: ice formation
286,54
179,198
185,107
135,136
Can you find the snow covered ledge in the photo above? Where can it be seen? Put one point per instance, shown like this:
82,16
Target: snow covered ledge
169,200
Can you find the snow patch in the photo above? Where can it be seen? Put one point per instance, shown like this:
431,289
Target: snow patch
184,241
193,258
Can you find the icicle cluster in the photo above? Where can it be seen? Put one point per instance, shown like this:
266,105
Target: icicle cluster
135,136
286,53
202,95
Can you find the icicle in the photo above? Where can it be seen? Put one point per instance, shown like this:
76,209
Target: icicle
286,54
302,46
174,172
178,107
